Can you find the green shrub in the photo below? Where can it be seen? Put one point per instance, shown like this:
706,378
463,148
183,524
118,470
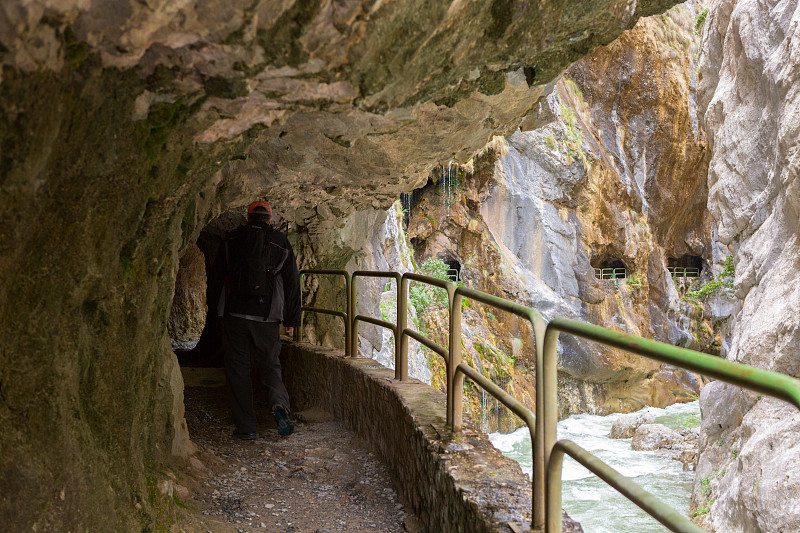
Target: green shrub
424,297
634,281
699,20
723,284
705,486
703,509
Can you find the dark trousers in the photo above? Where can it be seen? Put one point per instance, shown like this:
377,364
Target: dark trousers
240,337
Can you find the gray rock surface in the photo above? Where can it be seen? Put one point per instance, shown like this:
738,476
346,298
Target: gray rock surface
748,97
556,208
654,437
625,426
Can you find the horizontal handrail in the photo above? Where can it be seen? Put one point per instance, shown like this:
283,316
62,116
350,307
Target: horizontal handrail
684,272
757,379
611,273
377,322
324,311
425,341
456,381
454,273
500,303
315,271
430,280
764,381
516,407
665,514
401,365
298,332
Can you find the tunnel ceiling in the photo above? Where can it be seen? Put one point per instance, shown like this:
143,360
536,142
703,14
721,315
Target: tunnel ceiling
325,104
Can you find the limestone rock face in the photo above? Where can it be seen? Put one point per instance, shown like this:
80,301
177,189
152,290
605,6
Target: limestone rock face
188,309
615,170
748,96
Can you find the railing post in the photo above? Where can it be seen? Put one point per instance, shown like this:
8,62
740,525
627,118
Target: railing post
353,307
548,408
553,490
298,331
539,465
455,394
348,324
401,339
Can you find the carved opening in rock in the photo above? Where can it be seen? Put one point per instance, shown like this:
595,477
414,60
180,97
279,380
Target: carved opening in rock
206,348
453,268
187,316
687,266
609,268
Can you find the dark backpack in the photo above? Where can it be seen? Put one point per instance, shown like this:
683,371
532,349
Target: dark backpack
251,269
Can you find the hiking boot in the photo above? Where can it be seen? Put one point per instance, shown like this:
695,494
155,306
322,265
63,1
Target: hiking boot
284,420
244,436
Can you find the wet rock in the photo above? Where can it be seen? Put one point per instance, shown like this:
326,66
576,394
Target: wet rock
654,437
625,426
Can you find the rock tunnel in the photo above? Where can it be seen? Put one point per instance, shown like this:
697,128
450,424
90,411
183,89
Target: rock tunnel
127,130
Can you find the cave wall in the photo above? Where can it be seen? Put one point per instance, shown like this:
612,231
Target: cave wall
187,314
126,126
748,96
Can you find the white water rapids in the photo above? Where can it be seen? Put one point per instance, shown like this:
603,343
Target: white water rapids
587,499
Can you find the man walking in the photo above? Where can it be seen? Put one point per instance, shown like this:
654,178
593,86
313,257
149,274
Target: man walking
262,289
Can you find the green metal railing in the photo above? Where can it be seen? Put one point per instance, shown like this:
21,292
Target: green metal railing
458,370
548,452
371,320
764,381
611,273
683,272
649,503
401,364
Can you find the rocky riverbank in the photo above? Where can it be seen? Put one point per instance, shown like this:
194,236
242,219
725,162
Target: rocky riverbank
681,443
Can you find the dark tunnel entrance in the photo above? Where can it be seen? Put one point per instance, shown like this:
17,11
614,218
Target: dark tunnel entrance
453,268
687,266
610,269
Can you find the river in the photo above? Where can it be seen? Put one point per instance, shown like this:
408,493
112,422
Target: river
598,507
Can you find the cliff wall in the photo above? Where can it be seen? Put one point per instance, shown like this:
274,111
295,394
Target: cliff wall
614,173
748,474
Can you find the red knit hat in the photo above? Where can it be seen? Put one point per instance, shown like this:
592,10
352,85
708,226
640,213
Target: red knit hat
259,207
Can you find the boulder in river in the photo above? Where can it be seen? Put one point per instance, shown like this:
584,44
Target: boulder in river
625,426
654,437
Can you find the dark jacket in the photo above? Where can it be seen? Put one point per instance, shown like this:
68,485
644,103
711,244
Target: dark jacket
284,306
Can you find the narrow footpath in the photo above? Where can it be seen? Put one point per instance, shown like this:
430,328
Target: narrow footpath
320,479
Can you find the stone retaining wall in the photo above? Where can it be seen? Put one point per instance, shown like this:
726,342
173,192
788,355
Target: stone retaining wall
452,483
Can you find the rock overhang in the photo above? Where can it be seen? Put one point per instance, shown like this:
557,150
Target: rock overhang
356,100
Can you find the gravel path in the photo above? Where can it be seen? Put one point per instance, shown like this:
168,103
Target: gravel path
320,479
